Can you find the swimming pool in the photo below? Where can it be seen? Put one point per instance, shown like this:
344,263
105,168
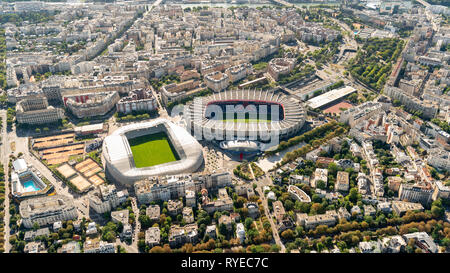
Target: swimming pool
29,186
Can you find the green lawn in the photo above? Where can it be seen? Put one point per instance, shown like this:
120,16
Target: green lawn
151,150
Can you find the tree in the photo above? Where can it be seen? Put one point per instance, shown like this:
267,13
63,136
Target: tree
353,195
321,184
288,205
35,226
288,234
248,223
223,229
109,236
437,209
145,221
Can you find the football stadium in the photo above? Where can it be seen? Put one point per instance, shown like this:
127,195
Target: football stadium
245,115
154,148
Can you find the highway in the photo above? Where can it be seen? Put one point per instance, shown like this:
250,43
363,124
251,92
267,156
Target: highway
424,3
284,3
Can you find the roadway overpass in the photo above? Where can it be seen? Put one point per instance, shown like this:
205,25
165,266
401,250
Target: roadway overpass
283,3
426,4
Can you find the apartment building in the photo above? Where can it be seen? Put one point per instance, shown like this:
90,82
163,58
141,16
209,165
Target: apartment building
428,108
280,66
165,188
239,72
439,158
97,246
342,181
178,236
188,215
174,92
107,198
223,202
47,210
153,236
191,199
217,81
153,212
415,193
137,100
35,110
401,207
440,191
320,174
91,104
174,207
310,222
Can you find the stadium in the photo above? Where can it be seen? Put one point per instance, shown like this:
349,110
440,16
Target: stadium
245,115
154,148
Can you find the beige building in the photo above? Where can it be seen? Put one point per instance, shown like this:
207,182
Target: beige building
91,104
342,182
281,66
401,207
138,100
309,222
239,72
35,110
47,210
152,236
217,81
177,91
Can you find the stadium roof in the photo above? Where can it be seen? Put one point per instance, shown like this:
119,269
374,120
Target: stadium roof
119,158
330,96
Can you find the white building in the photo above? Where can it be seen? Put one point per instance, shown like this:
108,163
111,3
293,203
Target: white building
47,210
96,246
217,81
107,198
240,232
137,100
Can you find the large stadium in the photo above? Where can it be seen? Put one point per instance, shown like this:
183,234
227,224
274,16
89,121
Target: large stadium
154,148
245,115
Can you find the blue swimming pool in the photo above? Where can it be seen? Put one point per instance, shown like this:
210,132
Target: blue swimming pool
29,186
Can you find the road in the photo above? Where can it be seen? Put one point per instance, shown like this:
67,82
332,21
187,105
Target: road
284,3
4,154
265,181
137,226
161,110
426,4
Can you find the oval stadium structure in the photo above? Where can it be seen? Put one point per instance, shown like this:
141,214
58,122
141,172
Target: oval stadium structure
277,113
154,148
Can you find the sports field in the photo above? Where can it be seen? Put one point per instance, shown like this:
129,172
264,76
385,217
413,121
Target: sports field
151,150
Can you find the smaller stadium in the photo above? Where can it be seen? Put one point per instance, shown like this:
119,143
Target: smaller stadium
154,148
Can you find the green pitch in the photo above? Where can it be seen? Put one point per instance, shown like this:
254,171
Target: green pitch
151,150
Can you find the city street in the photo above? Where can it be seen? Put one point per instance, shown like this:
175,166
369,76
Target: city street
265,182
4,155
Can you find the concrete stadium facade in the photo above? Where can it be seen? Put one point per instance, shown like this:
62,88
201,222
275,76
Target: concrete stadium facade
292,116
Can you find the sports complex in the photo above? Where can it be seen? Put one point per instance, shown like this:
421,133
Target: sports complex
245,115
154,148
